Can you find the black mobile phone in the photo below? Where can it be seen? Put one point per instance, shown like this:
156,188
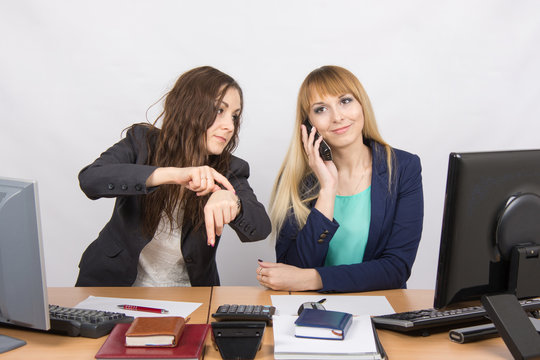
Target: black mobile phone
324,149
310,305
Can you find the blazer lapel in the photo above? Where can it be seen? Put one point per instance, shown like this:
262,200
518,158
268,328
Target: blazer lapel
379,192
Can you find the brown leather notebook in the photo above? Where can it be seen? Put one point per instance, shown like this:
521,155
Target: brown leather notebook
155,331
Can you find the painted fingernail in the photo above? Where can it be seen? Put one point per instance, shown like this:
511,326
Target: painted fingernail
259,260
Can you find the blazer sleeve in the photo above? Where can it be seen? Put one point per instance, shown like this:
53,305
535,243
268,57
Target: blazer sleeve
392,261
252,223
120,170
306,247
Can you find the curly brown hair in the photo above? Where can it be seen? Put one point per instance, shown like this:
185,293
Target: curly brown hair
190,108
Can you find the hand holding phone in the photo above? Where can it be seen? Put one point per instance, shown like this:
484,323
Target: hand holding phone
324,149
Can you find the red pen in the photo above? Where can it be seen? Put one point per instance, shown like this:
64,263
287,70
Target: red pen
143,308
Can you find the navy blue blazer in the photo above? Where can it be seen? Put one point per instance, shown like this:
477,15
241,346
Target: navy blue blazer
121,172
394,233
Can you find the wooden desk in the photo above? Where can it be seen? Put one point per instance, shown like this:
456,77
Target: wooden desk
398,346
45,346
436,346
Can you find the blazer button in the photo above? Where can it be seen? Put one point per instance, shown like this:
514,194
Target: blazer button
320,241
325,232
323,236
138,187
110,186
124,187
188,259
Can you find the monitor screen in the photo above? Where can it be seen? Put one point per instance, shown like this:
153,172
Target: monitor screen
478,190
23,290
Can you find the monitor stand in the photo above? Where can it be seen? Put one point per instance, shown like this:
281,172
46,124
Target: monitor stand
9,343
518,241
518,332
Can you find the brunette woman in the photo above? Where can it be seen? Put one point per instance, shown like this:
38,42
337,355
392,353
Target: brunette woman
175,188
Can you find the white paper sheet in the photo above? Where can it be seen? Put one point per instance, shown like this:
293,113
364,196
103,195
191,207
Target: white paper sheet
175,308
356,305
359,341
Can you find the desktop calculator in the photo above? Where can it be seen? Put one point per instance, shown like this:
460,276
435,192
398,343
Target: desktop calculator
237,312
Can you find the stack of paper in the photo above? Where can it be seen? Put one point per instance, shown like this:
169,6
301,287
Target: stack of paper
359,343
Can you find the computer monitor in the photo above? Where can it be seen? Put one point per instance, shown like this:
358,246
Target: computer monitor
490,240
23,289
492,206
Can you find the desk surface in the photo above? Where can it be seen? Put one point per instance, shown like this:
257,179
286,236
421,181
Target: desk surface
48,346
398,346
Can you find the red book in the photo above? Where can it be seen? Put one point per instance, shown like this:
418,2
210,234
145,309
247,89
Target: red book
190,346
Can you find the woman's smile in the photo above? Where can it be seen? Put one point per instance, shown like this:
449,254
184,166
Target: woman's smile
341,130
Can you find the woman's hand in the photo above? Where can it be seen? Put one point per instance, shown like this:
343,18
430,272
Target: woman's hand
278,276
200,179
325,171
221,208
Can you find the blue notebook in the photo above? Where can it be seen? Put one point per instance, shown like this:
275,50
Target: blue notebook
322,324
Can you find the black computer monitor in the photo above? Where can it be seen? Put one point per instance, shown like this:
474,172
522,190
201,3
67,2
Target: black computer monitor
492,203
490,241
23,289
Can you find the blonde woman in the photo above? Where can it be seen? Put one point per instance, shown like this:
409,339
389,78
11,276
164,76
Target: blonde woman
348,224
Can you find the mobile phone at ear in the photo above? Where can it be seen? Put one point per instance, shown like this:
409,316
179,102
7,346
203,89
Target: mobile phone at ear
324,149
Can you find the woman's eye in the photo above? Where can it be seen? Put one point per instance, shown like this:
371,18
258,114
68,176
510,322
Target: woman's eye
220,111
319,110
236,117
346,100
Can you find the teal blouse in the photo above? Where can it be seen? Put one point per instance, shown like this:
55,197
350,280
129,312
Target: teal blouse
353,213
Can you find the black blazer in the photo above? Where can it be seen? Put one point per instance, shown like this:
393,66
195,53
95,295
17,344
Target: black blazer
120,172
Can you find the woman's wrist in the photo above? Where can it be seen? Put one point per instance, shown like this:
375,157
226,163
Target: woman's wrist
314,281
328,192
325,203
154,178
160,176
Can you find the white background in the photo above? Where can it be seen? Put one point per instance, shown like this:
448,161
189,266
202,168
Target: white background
442,75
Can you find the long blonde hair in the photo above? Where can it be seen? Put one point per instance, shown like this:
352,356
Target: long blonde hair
288,192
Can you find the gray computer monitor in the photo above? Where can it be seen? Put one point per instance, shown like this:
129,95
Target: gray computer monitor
23,288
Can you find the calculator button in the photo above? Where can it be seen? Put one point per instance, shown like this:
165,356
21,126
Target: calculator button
223,308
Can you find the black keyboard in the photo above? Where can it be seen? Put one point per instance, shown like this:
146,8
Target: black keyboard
431,320
84,322
245,313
